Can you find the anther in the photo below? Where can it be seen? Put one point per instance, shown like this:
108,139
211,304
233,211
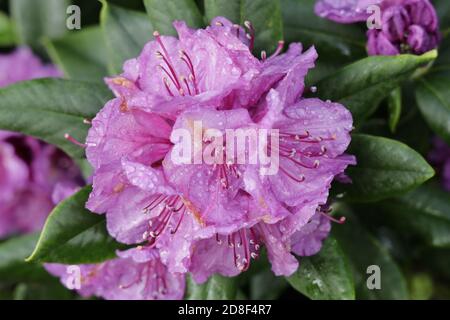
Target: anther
263,55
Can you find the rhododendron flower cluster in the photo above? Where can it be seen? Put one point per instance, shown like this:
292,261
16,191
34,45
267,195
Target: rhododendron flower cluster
406,26
214,218
31,171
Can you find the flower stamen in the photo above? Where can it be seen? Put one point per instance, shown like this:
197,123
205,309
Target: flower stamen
74,141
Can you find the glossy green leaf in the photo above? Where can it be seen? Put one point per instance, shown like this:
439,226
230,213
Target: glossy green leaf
385,168
49,108
7,34
433,99
362,85
39,18
395,108
126,32
13,267
162,13
326,275
424,212
265,16
336,44
363,250
216,288
81,55
73,235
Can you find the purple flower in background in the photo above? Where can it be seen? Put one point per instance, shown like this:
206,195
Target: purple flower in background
29,169
440,157
409,26
137,274
22,65
406,26
345,11
207,218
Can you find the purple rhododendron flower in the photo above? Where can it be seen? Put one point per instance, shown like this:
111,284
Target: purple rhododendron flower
205,217
440,156
407,26
132,276
29,169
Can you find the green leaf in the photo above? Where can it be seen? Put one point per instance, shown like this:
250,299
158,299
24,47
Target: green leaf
265,16
337,44
38,291
216,288
363,250
73,235
38,18
424,212
433,99
326,275
13,267
395,108
163,13
80,54
126,32
362,85
385,168
266,286
7,35
230,9
49,108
